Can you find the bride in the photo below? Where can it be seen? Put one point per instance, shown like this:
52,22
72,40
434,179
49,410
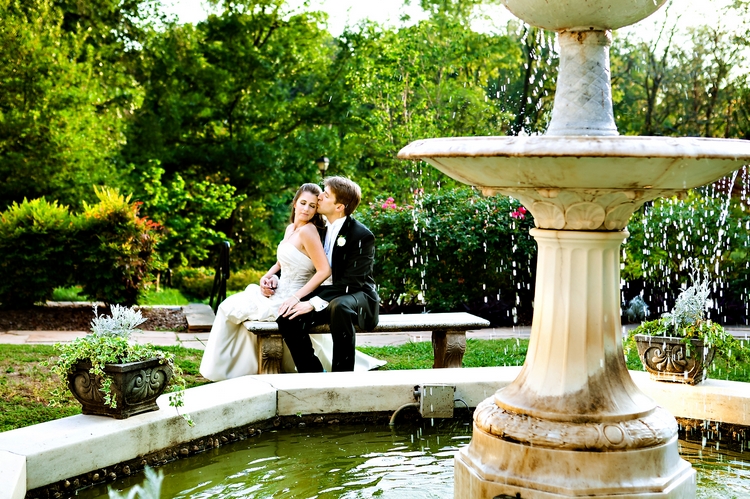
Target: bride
232,350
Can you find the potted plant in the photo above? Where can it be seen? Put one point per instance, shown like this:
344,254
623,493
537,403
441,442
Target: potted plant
681,345
112,376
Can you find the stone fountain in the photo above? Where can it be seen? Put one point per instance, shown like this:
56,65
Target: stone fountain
573,423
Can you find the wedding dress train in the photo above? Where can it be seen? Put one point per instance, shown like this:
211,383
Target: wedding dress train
232,350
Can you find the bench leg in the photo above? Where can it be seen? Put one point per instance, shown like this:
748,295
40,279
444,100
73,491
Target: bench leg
448,348
270,350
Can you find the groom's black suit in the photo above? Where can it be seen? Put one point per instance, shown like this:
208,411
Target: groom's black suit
352,300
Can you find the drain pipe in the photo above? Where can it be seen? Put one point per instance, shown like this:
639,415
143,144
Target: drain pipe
393,418
458,399
432,401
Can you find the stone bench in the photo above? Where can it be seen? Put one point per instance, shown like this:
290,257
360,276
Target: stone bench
448,336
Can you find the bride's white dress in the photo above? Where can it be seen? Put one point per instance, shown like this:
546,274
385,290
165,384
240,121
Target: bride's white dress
232,350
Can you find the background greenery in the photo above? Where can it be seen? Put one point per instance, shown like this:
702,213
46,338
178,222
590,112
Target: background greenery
207,129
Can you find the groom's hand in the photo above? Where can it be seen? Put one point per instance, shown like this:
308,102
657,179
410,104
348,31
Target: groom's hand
303,307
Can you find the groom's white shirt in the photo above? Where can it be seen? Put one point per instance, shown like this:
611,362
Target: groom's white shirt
331,233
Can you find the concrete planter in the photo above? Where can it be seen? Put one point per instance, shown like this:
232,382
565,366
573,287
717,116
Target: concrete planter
135,387
666,358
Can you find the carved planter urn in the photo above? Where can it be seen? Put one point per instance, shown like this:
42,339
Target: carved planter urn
135,387
666,358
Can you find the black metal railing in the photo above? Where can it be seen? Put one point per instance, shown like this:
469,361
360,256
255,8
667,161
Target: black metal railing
219,289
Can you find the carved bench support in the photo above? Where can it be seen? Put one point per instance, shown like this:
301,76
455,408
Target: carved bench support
270,351
448,348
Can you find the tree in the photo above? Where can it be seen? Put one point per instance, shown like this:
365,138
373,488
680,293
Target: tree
244,98
55,138
438,78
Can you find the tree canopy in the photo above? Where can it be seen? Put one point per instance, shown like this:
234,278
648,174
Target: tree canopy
213,125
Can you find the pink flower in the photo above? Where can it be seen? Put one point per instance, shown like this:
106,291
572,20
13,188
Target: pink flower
389,203
520,213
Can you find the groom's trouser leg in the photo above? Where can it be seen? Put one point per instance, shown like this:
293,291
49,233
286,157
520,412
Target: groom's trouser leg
297,339
343,318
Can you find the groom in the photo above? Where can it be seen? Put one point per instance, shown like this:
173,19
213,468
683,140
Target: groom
351,298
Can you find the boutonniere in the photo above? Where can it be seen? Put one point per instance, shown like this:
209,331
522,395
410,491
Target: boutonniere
341,241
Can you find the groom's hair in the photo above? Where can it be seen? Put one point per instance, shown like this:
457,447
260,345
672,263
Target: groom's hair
347,192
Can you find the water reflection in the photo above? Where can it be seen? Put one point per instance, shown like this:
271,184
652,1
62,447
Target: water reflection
414,460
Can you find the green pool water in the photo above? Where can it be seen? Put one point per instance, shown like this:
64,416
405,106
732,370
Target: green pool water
413,460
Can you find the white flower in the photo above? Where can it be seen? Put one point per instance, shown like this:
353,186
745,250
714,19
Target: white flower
341,241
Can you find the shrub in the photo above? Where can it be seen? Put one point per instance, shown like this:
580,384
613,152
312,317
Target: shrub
115,248
240,279
453,251
195,282
35,256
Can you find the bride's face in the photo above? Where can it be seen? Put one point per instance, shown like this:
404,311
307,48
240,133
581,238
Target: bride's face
304,208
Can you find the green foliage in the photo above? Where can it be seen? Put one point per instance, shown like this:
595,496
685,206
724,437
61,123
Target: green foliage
57,135
35,257
109,343
195,282
681,88
438,78
454,250
672,239
189,214
115,248
242,99
68,293
240,279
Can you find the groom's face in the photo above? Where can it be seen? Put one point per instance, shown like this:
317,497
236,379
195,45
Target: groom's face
327,204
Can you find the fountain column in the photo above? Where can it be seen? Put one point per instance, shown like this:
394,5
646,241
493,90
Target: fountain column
583,99
573,424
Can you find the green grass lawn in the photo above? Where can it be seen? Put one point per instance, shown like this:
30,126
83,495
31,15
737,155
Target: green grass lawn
165,296
25,381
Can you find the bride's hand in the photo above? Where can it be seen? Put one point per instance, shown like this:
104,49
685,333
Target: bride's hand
288,305
303,307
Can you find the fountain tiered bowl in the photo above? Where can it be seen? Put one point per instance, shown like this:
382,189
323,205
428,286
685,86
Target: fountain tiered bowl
573,424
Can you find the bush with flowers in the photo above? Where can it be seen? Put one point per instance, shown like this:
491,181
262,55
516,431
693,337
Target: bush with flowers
454,251
108,249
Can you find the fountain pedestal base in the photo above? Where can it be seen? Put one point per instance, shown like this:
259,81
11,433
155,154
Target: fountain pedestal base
491,467
573,423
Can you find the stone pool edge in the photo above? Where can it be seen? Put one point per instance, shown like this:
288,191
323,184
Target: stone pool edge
43,454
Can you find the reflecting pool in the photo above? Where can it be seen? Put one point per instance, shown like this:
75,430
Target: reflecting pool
413,459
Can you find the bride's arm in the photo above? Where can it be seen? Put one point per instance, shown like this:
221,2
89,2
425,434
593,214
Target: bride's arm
270,280
314,248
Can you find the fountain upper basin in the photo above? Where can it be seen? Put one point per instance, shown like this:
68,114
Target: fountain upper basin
581,15
578,162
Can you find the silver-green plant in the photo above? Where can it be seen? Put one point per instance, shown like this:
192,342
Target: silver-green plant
151,488
123,322
691,305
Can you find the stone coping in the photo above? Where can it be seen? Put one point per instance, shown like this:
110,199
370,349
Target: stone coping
47,453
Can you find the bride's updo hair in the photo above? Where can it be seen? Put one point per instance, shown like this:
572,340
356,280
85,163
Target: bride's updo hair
317,219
